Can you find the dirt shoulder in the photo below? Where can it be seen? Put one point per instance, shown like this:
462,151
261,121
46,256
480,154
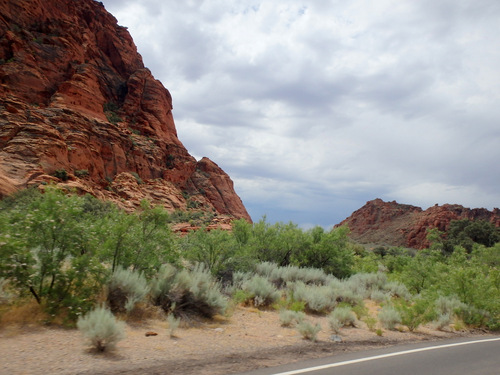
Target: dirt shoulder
249,339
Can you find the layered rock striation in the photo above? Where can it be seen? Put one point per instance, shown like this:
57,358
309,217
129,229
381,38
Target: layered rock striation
395,224
78,108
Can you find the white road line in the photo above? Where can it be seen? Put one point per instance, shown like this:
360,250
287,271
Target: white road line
338,364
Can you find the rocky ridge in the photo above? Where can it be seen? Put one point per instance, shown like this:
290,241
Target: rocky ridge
79,109
395,224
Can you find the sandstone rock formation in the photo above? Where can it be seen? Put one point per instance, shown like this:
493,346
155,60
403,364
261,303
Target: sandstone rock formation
78,108
394,224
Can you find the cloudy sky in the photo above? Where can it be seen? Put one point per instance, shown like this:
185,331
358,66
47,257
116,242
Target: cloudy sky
315,107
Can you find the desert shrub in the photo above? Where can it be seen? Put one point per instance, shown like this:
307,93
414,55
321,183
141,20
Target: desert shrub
371,322
294,305
413,314
448,305
262,292
61,174
362,284
308,330
125,289
204,295
173,324
379,296
162,285
241,296
389,317
359,309
289,317
239,278
319,299
81,173
282,275
265,269
290,303
344,315
101,328
188,292
472,316
345,294
442,321
397,289
110,112
335,324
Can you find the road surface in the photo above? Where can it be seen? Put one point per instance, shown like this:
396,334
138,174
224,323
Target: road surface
451,357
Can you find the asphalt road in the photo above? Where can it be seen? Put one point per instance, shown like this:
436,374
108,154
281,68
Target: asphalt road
451,357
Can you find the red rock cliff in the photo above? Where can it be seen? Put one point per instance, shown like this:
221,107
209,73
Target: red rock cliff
76,99
394,224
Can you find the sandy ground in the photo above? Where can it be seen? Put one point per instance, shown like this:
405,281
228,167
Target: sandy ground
248,339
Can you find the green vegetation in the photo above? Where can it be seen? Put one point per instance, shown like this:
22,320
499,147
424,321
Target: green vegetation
125,289
110,110
81,173
188,292
173,324
288,317
344,316
61,174
389,317
70,254
101,328
308,330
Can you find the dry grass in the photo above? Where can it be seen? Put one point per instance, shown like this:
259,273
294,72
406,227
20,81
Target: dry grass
23,313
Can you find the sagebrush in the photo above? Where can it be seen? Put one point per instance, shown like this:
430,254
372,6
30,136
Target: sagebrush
101,328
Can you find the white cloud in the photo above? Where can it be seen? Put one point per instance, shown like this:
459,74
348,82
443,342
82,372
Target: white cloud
313,108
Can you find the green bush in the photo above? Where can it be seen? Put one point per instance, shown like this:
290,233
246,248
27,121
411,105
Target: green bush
282,275
262,292
335,324
379,296
416,312
173,324
308,330
241,296
344,294
389,317
475,317
318,299
110,110
81,173
125,289
371,322
397,289
188,292
449,305
345,316
442,321
289,317
101,328
328,251
61,174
